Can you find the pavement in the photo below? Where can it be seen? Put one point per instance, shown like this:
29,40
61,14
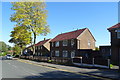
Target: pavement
105,73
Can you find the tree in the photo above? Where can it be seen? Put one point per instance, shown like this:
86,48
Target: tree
20,36
3,46
96,49
33,16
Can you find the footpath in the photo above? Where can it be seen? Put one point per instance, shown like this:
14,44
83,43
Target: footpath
105,73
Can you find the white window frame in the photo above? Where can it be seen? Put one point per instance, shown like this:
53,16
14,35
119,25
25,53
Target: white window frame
57,53
65,53
65,42
89,44
52,44
118,35
57,44
72,42
72,54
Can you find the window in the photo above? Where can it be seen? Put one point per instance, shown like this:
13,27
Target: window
38,53
52,44
65,53
72,42
41,54
38,47
65,43
103,50
41,47
89,43
56,53
72,54
118,35
57,43
110,51
86,55
52,53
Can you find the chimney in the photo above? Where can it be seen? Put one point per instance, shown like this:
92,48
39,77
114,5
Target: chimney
44,39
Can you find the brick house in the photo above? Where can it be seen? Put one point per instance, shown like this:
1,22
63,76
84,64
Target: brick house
115,43
67,44
42,48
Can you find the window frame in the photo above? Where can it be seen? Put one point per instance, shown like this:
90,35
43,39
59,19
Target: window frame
65,42
72,54
72,42
57,52
89,43
57,43
118,35
52,44
65,53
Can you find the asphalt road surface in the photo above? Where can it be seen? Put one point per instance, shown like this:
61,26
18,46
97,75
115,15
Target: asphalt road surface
17,69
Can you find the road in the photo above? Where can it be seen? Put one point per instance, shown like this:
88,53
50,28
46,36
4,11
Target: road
17,69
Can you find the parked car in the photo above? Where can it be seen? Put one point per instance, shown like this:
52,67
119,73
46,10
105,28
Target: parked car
9,56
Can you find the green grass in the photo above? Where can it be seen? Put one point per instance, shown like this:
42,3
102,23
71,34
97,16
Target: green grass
111,65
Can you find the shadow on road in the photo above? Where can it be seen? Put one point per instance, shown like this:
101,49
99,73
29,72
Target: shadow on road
54,75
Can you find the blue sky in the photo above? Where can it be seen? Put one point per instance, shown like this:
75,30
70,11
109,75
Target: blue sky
68,16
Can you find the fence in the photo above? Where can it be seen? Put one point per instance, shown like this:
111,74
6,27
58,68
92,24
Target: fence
98,62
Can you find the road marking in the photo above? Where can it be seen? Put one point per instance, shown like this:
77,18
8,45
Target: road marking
65,70
14,66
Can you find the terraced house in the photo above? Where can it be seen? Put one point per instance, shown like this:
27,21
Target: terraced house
67,44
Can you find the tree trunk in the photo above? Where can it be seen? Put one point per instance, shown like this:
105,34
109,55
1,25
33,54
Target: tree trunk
21,51
34,43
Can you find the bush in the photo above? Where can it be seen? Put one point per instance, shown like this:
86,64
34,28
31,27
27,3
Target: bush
49,60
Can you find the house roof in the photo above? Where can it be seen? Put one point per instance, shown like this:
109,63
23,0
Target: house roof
115,26
68,35
41,42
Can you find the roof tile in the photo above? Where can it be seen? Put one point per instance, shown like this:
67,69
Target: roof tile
68,35
115,26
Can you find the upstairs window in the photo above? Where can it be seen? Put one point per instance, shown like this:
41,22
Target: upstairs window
72,42
41,47
118,33
65,43
56,53
57,44
89,43
52,44
65,53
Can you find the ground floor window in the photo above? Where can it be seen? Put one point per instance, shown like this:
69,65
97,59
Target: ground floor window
72,54
38,53
65,53
56,53
52,53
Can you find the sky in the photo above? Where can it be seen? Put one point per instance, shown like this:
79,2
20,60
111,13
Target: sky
68,16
